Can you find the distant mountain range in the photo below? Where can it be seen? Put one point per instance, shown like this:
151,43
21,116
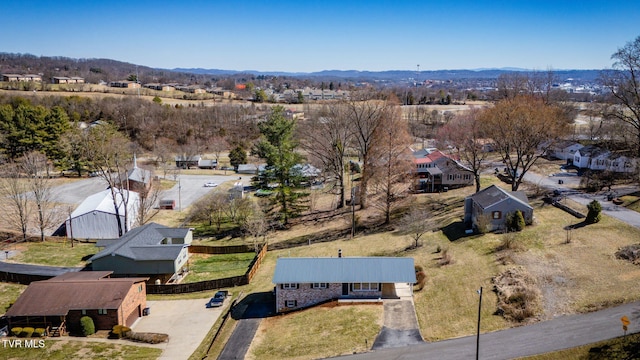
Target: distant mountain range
395,75
95,70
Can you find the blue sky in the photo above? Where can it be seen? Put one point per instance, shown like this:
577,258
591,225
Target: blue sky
305,36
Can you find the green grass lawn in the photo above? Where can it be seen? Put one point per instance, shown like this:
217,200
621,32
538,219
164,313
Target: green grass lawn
55,253
8,294
319,332
68,349
208,267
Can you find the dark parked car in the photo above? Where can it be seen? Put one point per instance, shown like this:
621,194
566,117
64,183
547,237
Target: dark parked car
217,299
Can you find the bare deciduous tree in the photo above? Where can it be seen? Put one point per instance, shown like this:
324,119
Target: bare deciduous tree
623,82
465,134
16,190
522,129
107,152
325,138
416,223
364,113
393,160
35,165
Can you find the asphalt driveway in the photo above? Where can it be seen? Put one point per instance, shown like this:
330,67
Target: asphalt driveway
186,322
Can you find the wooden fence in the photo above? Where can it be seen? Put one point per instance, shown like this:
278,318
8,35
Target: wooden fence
215,283
24,279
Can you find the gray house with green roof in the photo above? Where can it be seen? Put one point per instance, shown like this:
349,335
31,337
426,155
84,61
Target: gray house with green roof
304,282
153,250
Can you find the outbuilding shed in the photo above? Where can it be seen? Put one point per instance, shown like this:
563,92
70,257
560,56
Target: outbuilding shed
95,217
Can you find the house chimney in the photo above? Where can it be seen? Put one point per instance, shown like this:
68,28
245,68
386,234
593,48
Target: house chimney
339,253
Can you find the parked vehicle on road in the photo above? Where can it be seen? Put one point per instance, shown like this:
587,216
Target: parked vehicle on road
217,299
210,184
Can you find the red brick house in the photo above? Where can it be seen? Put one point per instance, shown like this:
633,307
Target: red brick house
58,304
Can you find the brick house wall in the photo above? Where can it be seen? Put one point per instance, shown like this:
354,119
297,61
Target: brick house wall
101,321
305,295
135,301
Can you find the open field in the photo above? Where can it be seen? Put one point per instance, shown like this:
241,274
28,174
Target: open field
69,349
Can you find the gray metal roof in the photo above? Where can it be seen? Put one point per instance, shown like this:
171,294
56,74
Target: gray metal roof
345,270
144,243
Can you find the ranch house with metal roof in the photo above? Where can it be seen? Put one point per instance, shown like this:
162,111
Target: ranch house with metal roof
304,282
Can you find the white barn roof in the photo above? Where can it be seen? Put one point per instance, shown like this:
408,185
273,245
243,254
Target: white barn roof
345,270
103,202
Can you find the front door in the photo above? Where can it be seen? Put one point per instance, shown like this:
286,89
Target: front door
345,289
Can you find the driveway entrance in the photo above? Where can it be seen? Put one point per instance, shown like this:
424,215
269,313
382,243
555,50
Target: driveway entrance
400,322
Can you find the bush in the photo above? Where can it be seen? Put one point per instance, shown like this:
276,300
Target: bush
149,338
594,216
446,258
421,277
515,221
120,331
16,331
88,328
38,332
26,332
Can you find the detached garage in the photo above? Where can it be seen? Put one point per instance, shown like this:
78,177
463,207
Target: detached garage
95,217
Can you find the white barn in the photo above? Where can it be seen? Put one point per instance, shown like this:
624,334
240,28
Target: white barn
95,217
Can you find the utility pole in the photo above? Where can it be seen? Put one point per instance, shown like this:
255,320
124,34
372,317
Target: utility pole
479,312
353,209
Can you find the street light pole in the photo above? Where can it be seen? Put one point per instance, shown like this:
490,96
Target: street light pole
479,312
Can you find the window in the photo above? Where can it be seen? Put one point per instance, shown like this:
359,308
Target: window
289,286
451,176
319,285
365,286
140,288
84,312
290,303
496,215
102,311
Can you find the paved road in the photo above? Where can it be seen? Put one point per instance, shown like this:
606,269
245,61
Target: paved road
189,189
560,333
568,188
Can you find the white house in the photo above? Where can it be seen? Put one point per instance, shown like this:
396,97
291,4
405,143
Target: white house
621,164
564,150
590,157
95,217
